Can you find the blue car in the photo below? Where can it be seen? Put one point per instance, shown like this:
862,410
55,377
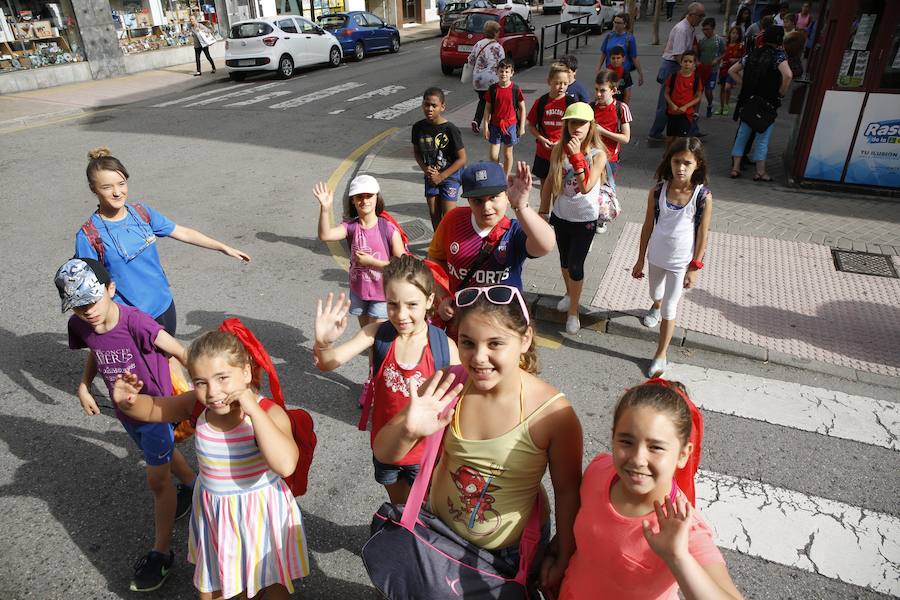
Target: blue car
361,32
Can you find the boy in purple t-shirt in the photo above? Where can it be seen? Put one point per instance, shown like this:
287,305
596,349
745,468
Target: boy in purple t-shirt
122,339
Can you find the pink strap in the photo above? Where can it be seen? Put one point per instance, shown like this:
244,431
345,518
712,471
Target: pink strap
530,540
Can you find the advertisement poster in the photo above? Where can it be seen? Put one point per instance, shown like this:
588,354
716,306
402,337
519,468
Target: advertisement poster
837,121
875,159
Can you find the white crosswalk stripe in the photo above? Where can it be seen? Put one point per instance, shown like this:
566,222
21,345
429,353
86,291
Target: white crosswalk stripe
385,91
200,95
392,112
236,94
261,98
319,95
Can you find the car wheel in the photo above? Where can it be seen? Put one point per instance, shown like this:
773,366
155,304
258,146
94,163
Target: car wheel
236,76
285,67
359,51
535,56
564,28
395,44
334,57
446,69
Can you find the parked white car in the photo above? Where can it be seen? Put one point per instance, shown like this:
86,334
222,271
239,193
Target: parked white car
280,44
520,7
601,12
552,7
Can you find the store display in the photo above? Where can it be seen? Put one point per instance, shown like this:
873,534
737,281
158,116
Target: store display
27,42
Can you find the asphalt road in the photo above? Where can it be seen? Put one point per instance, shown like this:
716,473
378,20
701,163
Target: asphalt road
74,510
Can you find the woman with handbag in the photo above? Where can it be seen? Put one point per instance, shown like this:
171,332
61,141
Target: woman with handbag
764,76
203,39
481,67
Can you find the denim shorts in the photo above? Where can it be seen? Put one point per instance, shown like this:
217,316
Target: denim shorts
447,190
390,474
370,308
156,440
496,136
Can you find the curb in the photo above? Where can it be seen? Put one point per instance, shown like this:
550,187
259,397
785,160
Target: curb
28,119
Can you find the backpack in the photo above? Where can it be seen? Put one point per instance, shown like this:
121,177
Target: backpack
695,85
384,219
384,337
630,42
542,108
698,214
492,91
93,236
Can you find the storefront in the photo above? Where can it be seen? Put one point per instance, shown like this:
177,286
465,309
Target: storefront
36,34
849,127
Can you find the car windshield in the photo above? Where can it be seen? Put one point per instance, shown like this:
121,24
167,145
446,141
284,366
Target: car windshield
473,23
333,21
581,2
249,30
456,7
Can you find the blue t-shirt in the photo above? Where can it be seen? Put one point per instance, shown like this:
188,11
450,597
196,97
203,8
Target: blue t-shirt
131,258
578,91
626,40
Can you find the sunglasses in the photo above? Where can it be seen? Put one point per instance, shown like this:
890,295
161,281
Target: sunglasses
496,294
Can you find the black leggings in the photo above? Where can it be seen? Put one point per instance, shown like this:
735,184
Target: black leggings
574,241
479,111
205,51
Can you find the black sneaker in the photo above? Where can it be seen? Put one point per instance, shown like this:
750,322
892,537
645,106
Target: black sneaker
151,571
185,501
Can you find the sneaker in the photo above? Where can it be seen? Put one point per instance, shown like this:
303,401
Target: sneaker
564,304
476,128
657,368
601,227
185,501
573,324
651,319
726,111
719,111
197,73
151,571
709,111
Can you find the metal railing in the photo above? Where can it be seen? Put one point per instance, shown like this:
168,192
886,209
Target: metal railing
576,23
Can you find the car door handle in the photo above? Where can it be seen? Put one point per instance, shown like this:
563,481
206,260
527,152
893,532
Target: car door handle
287,37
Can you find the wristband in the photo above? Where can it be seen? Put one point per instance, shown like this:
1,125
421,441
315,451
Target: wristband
578,161
695,265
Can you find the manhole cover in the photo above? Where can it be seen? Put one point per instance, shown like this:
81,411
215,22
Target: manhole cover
864,263
416,230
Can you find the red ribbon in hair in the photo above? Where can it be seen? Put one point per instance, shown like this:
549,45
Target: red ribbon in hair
257,352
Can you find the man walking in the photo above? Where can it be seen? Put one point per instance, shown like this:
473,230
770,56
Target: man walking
681,38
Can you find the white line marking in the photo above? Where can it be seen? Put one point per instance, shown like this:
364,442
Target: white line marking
301,100
200,95
852,544
392,112
385,91
804,407
336,112
262,98
237,94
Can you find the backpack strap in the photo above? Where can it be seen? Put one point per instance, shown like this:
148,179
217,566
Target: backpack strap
440,347
142,211
541,109
657,190
386,236
619,116
701,207
93,238
384,337
492,92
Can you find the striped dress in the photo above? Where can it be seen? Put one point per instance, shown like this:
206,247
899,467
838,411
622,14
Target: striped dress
246,530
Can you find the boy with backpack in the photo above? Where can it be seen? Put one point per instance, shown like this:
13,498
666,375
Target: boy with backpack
623,77
682,93
710,50
575,89
613,119
502,123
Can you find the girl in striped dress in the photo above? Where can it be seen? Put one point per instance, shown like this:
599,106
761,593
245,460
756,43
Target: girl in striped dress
246,533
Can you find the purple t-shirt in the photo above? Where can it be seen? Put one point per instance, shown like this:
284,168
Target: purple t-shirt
126,348
366,282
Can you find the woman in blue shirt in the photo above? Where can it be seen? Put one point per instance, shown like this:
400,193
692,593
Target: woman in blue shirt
123,237
620,36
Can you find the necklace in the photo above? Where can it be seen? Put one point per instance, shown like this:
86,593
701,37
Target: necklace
145,233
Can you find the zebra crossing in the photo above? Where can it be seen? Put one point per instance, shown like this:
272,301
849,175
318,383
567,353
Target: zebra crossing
249,94
852,544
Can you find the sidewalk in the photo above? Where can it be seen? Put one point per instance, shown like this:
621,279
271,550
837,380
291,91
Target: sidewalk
770,290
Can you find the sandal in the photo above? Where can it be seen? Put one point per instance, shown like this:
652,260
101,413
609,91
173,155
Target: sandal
764,177
734,174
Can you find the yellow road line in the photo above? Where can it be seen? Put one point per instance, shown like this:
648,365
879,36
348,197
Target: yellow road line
337,250
549,342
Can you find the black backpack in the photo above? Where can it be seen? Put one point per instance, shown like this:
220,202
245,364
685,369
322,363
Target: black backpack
542,108
695,85
698,214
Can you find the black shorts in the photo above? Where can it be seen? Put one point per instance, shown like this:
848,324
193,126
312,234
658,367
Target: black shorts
168,319
678,126
541,167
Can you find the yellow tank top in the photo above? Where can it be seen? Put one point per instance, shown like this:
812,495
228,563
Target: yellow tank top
485,489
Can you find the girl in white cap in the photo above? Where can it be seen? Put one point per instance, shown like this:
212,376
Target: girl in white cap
373,240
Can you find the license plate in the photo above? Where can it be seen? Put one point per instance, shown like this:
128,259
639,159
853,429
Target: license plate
464,48
247,62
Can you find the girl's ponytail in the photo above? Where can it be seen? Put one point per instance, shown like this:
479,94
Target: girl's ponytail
258,354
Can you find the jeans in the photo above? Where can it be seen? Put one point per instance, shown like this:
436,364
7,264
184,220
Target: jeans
205,51
666,69
760,149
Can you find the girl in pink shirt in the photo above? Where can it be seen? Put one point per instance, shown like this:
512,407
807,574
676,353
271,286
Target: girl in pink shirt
637,534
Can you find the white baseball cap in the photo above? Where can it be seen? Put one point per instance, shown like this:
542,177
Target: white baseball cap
364,184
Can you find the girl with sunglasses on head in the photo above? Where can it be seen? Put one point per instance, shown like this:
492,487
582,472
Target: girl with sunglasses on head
122,236
507,427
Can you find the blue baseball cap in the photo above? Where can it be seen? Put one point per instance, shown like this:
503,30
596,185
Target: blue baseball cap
485,178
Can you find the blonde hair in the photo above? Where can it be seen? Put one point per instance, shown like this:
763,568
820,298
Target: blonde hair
591,140
101,159
491,29
557,68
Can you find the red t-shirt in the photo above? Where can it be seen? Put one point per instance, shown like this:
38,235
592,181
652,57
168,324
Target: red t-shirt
392,395
683,92
551,121
733,53
605,116
503,111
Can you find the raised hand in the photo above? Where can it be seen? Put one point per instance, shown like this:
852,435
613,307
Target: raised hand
331,318
428,404
518,187
671,540
574,146
324,195
126,389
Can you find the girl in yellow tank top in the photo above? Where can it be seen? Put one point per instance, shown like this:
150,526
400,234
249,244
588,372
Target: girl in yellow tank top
507,428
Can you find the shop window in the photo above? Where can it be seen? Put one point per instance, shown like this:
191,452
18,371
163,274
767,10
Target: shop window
144,25
35,34
856,58
890,78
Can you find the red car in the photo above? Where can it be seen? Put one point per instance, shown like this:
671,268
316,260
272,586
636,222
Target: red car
516,36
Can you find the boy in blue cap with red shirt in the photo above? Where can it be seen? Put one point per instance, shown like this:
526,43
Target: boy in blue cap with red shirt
477,244
122,339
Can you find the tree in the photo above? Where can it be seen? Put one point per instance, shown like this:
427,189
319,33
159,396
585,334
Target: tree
725,25
655,38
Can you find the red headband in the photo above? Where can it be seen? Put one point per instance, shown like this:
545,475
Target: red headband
668,385
257,353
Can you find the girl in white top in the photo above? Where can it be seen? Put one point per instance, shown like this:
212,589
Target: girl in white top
674,237
577,170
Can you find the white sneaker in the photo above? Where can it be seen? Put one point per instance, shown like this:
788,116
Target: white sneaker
651,319
601,227
564,304
657,368
573,324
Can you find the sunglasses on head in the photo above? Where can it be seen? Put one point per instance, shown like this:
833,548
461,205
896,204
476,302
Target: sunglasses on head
496,294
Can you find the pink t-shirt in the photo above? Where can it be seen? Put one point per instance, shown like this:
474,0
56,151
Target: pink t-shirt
365,282
613,560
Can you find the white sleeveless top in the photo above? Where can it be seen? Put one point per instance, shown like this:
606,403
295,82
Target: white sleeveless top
571,204
671,244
